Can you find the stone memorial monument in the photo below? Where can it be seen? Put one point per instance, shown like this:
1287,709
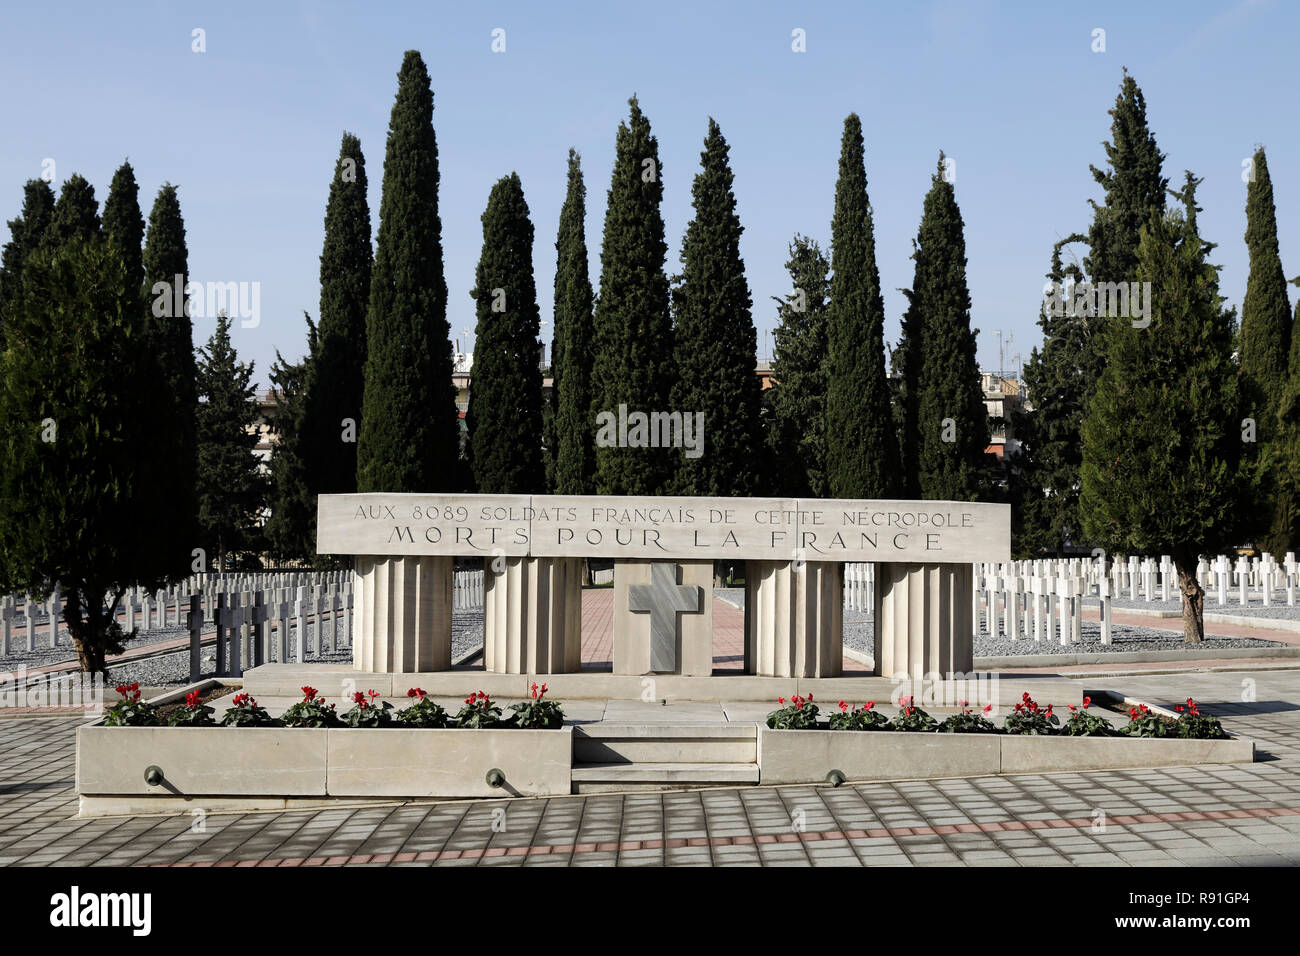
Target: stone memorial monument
663,548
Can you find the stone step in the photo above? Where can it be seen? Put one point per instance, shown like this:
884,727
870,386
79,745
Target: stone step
607,777
665,744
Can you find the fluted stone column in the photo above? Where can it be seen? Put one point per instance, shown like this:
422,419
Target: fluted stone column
532,615
794,619
663,619
923,620
403,614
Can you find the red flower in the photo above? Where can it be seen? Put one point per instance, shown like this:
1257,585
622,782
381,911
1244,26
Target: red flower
870,704
810,696
1087,702
843,706
987,708
308,693
906,702
374,694
543,689
416,692
1178,706
965,703
240,699
781,701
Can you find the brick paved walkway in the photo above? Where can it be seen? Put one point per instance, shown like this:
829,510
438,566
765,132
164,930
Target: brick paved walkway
1218,815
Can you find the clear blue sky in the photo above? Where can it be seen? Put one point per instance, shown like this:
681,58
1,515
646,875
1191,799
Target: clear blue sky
249,130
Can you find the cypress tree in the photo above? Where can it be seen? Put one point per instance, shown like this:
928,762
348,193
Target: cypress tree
571,358
1045,472
504,417
410,430
1063,376
76,213
716,345
945,421
291,527
124,224
633,356
1284,454
1133,186
796,435
334,372
230,489
25,235
170,335
1161,445
1265,344
861,446
75,401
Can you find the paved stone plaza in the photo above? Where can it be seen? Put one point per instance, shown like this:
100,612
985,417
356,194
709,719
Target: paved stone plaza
1240,815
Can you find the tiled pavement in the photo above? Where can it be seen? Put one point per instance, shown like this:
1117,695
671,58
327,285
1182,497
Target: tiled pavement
1221,815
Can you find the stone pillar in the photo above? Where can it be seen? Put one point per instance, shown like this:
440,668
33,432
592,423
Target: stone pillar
663,617
532,615
923,622
403,609
795,619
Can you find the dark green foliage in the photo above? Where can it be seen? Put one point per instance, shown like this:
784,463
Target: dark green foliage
291,528
1161,442
76,214
796,432
124,224
1134,188
171,342
633,354
715,341
504,418
1045,474
76,399
861,444
1265,345
1062,376
1284,454
335,374
410,432
230,488
572,447
945,423
25,235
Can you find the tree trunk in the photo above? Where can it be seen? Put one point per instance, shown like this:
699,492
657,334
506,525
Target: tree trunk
1193,600
86,636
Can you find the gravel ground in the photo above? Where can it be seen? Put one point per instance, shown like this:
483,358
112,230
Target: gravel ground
45,653
858,635
1255,607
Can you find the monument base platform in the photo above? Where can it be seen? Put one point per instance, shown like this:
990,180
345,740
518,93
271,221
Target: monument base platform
340,680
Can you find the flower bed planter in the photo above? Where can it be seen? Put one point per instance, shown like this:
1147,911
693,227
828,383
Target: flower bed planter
807,756
219,767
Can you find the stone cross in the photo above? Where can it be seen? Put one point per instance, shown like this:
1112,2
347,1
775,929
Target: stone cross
664,599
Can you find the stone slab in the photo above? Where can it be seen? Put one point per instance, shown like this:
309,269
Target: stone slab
664,528
807,756
1042,754
250,761
448,763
